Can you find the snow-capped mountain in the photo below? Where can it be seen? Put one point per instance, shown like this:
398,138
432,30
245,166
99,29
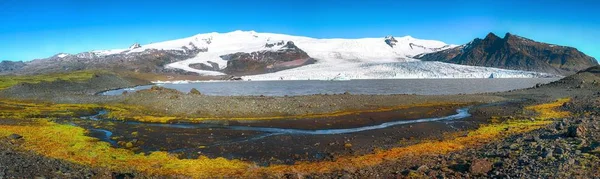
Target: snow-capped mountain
270,56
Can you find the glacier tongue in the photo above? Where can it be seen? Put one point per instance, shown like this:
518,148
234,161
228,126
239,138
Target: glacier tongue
326,51
392,70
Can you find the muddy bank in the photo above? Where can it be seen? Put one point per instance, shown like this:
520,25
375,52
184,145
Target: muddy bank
175,104
290,141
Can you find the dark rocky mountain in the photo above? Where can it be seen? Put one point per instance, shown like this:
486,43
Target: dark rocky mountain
516,53
148,61
266,61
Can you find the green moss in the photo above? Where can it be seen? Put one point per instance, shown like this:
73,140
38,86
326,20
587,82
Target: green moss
10,80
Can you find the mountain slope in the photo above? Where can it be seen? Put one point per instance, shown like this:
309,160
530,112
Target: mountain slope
323,50
517,53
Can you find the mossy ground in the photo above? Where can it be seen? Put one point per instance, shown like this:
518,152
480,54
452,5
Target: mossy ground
7,81
72,144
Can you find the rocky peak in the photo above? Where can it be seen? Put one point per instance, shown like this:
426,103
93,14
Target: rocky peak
515,53
134,46
289,45
270,45
391,41
491,36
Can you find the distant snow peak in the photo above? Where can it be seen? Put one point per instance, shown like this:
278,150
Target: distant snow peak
391,41
62,55
134,46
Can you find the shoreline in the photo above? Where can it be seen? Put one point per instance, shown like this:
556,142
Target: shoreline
449,78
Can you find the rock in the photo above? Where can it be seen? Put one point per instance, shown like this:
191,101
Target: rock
195,91
129,145
560,126
480,166
576,131
559,151
547,154
422,168
15,136
540,148
514,146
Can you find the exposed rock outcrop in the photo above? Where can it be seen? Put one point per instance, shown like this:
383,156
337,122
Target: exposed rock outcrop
148,61
288,56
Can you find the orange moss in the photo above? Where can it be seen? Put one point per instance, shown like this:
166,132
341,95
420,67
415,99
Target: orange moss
480,136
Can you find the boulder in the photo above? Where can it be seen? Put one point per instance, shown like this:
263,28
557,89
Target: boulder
195,91
15,136
576,131
480,166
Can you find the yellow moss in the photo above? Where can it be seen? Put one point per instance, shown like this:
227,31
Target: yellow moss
482,135
549,110
21,110
70,143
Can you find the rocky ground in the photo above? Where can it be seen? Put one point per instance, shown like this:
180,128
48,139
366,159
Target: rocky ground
174,103
568,148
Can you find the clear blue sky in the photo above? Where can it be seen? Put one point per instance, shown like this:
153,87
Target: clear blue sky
37,29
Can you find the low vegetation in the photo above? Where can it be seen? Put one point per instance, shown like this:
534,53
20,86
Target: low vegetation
6,81
72,144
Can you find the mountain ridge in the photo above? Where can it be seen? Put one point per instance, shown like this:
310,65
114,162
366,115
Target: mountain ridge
253,53
516,53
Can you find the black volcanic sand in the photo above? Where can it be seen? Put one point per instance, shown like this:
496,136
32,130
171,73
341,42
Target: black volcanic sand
356,120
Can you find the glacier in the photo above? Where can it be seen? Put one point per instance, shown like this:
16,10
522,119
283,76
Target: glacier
336,59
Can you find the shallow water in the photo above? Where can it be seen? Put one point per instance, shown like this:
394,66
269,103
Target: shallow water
383,86
105,135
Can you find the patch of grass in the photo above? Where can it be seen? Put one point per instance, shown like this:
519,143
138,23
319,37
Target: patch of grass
7,81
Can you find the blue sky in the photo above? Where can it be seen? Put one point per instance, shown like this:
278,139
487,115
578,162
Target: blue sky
37,29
